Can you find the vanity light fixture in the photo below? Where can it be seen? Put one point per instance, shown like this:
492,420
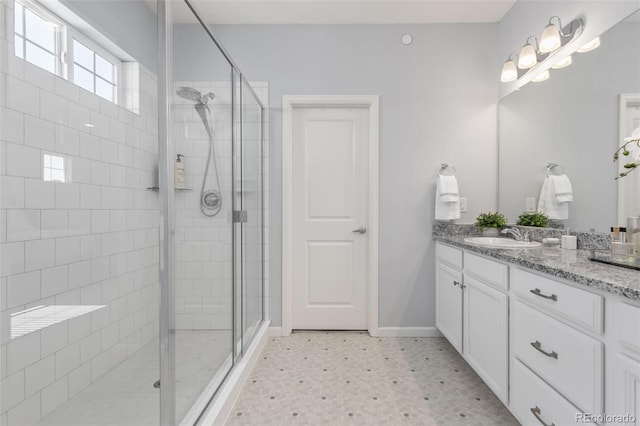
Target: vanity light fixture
543,55
593,44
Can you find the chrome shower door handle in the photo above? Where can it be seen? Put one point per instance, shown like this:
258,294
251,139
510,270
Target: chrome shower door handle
360,230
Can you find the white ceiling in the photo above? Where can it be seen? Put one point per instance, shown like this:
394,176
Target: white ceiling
342,11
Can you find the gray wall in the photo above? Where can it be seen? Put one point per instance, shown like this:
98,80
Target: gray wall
129,24
437,104
571,119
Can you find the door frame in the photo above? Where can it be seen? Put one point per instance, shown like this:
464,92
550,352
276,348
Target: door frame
289,102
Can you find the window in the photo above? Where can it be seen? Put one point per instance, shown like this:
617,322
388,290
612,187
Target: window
48,42
37,38
93,72
53,169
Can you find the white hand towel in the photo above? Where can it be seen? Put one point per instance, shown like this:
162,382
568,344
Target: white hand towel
448,189
543,195
561,188
548,204
446,210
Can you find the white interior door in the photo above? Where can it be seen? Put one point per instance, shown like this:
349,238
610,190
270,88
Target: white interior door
330,203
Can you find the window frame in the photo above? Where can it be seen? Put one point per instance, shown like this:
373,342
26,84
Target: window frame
64,48
46,15
66,175
72,34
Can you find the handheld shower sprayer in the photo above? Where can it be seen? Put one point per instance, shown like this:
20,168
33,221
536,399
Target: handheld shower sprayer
210,200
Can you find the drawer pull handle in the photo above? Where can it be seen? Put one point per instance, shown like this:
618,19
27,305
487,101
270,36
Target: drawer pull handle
538,292
536,412
538,346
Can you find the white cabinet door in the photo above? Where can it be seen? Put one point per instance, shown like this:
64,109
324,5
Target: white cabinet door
486,349
627,390
449,304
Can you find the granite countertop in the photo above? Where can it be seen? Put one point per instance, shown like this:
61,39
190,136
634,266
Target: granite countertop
571,265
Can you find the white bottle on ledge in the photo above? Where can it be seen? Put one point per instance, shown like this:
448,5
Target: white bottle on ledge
178,173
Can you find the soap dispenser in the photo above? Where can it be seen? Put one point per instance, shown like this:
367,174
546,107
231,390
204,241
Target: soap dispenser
178,173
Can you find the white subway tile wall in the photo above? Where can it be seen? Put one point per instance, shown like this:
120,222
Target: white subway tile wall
204,244
90,240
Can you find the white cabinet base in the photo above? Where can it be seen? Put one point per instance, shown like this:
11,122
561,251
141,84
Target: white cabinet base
486,334
449,304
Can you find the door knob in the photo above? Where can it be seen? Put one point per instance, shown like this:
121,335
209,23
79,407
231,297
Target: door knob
360,230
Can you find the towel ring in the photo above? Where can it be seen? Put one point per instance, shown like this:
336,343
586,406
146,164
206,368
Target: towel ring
552,166
444,167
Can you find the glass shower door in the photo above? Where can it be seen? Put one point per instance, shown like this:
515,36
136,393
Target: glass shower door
214,294
203,117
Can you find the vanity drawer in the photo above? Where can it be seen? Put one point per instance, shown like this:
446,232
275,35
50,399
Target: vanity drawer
534,402
569,360
487,270
627,326
449,255
579,306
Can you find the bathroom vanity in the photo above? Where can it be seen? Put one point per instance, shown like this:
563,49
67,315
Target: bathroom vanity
555,336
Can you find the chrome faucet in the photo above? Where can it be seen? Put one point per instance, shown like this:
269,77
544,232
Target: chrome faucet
516,234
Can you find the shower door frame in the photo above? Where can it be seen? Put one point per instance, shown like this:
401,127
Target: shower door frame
167,207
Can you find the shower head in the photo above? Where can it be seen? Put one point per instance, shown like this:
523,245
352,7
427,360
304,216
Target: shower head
189,94
192,94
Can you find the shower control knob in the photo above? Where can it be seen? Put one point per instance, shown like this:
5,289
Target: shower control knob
360,230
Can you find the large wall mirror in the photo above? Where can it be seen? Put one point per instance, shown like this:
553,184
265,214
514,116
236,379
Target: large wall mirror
575,119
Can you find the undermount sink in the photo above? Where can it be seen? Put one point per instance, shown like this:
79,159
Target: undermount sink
503,243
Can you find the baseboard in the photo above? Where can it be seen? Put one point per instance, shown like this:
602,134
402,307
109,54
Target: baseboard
275,331
408,332
221,407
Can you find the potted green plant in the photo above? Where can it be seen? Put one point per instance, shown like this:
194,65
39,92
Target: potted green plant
491,223
539,220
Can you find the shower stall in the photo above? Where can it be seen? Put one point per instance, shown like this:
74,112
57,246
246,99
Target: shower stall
133,290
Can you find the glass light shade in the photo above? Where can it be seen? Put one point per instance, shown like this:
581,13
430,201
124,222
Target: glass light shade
593,44
550,39
527,57
541,77
509,71
563,63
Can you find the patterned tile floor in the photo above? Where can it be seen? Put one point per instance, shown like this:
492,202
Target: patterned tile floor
349,378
